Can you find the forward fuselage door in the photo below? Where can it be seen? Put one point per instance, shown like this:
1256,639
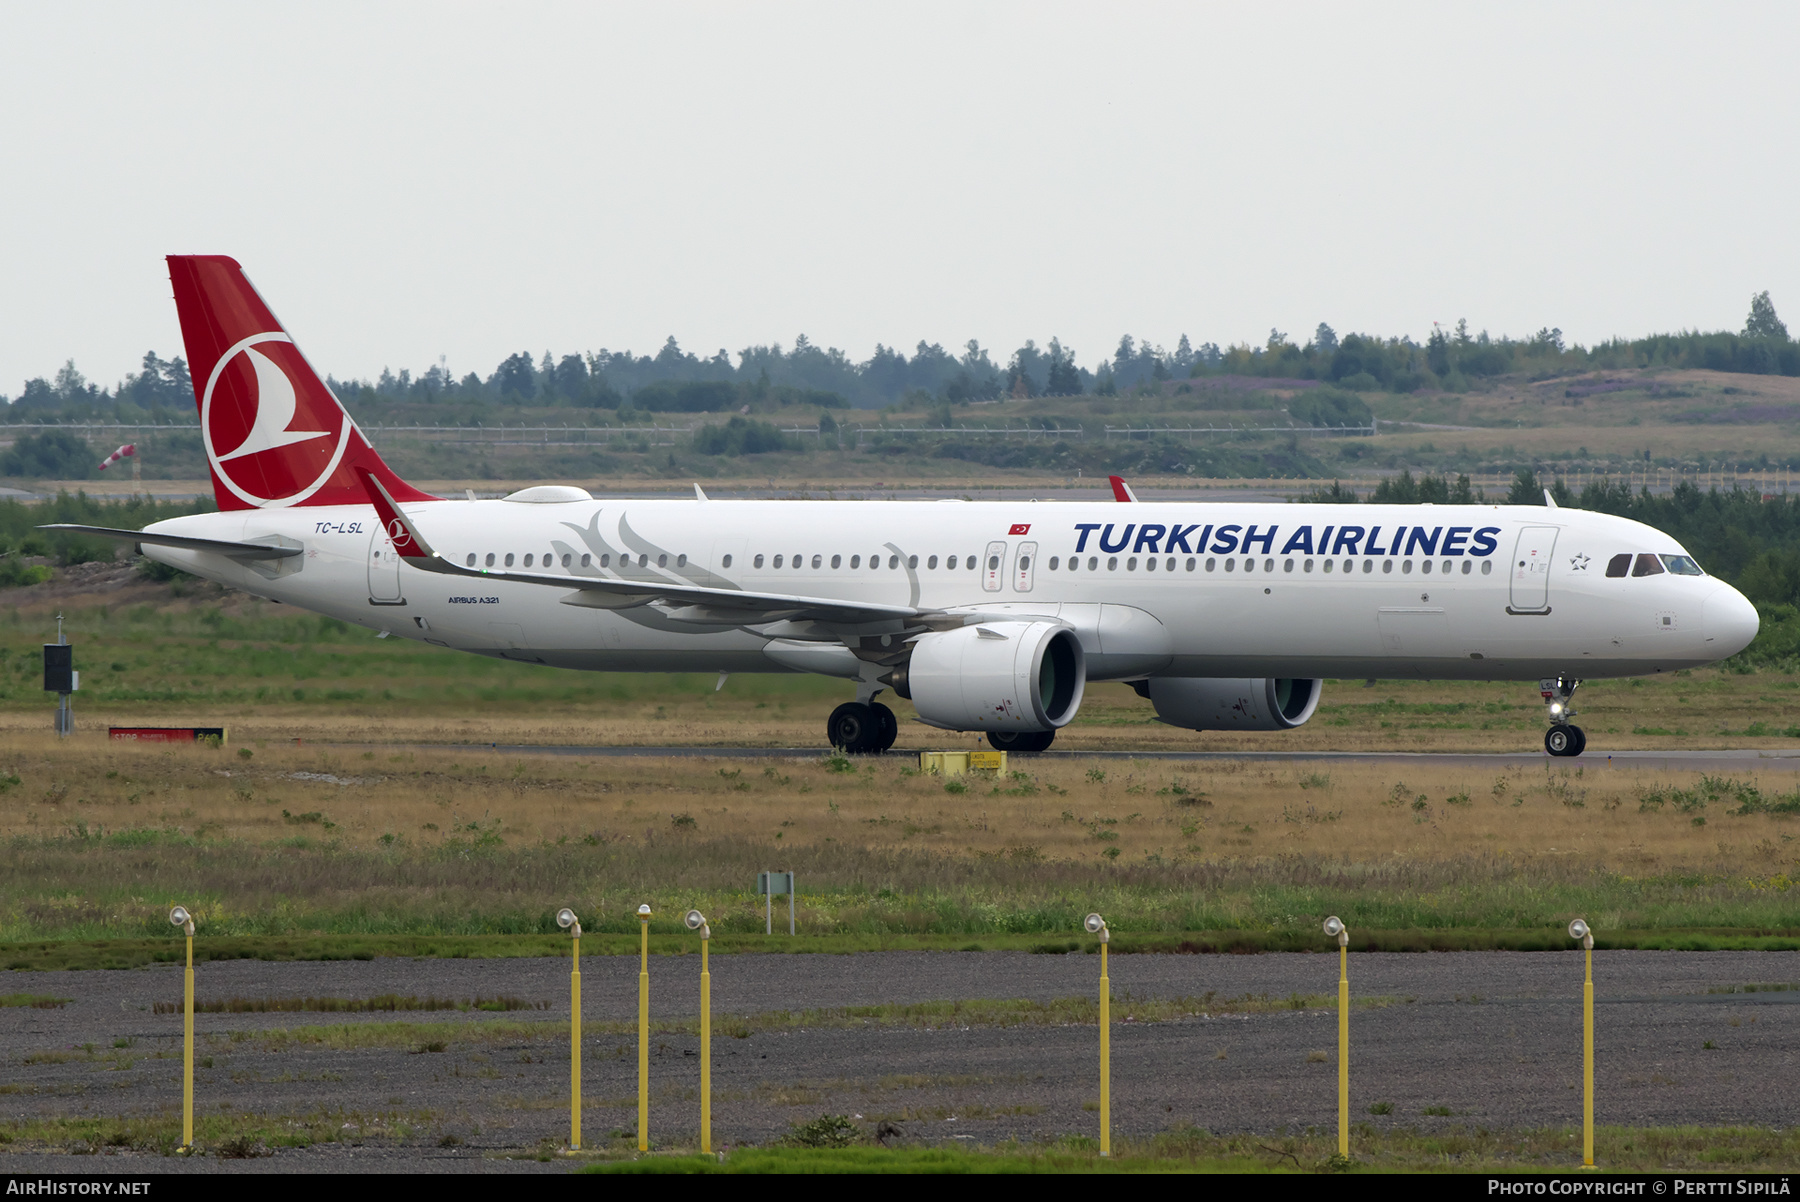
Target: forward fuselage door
1024,566
384,569
1531,569
993,568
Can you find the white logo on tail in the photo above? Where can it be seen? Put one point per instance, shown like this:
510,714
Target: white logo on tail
276,403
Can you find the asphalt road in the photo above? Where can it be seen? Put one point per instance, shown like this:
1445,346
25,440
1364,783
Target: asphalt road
1491,1038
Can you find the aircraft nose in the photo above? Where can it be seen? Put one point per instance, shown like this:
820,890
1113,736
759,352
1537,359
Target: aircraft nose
1730,622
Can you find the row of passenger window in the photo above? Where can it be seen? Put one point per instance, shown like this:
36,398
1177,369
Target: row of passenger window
531,559
587,561
1647,564
1193,564
951,562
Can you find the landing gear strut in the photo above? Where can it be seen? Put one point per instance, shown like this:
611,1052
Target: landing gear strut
862,727
1563,738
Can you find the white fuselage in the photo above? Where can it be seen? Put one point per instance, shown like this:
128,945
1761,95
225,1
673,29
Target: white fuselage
1471,592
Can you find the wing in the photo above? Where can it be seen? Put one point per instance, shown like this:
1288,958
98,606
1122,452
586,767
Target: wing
217,546
691,603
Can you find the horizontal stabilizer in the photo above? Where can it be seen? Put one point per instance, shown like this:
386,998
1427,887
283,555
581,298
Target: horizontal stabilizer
216,546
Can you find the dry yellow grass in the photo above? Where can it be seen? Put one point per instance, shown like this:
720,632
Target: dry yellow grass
1077,811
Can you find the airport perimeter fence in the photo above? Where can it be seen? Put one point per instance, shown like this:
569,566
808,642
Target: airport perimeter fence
770,883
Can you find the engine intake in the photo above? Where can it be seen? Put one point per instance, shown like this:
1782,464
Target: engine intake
998,676
1267,703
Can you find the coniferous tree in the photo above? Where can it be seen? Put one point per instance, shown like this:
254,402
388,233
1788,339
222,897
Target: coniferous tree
1762,322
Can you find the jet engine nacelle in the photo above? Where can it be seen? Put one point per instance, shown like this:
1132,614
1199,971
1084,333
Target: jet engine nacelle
1258,704
998,676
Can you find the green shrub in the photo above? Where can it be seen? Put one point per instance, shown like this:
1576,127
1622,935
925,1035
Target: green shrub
1330,407
740,436
16,573
826,1131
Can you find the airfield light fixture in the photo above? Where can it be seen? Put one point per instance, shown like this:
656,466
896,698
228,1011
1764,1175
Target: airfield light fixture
1579,930
565,918
643,1132
696,921
182,919
1334,927
1096,925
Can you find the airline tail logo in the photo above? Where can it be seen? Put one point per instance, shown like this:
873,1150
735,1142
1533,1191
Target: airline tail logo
266,442
274,434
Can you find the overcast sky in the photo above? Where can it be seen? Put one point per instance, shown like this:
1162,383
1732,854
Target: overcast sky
403,181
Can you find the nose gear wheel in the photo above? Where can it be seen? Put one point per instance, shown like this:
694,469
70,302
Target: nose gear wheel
1563,738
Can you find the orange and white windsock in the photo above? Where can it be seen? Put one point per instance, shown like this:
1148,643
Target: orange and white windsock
129,448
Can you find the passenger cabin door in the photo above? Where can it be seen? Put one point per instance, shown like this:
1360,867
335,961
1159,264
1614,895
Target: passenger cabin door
1024,565
993,568
1531,570
384,570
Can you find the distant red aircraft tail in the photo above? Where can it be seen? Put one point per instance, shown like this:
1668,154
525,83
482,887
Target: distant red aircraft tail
274,434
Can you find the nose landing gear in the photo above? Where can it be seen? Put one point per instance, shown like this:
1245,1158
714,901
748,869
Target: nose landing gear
1563,738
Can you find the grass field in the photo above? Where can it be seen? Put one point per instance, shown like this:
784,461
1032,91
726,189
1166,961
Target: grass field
290,841
1469,1150
1478,1150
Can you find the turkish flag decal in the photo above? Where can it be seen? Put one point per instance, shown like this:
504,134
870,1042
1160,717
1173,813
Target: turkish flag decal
1020,528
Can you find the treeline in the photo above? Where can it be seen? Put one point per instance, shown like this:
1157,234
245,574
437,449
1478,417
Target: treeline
763,377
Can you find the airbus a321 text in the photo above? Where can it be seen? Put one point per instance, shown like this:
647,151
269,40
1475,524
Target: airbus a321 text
988,616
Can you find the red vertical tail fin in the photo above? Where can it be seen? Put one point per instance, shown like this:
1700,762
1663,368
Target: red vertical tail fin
274,434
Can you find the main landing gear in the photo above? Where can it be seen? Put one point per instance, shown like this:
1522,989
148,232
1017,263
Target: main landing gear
862,727
1563,738
870,728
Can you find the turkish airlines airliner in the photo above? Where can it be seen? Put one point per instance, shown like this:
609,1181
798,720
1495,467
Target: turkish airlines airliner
988,616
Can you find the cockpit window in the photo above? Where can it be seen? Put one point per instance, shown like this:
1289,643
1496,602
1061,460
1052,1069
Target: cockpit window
1619,565
1681,565
1647,565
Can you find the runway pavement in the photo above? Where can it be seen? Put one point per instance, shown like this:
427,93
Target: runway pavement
1489,1039
1722,760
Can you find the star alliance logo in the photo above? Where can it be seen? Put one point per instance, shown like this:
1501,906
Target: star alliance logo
1578,562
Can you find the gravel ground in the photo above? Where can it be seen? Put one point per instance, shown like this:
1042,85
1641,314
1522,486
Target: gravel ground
1494,1038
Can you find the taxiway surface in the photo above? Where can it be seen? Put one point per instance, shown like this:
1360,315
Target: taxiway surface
1488,1039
